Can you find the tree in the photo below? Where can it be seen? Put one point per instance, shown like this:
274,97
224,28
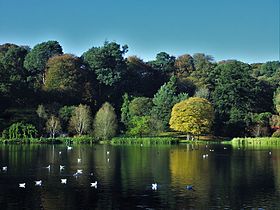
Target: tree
107,62
12,72
20,131
194,116
163,63
140,125
261,124
141,78
105,122
42,114
36,59
164,100
184,65
53,126
80,121
234,97
64,74
65,114
140,106
125,110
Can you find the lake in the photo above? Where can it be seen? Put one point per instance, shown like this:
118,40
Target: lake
227,179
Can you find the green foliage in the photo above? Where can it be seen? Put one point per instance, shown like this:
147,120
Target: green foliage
234,96
276,134
184,65
105,123
276,100
41,112
81,119
125,116
20,130
202,93
269,71
66,112
261,123
194,116
164,100
12,72
140,106
53,126
107,62
141,78
164,62
64,74
139,126
144,140
36,59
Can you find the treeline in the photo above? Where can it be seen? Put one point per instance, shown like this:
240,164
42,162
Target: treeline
47,89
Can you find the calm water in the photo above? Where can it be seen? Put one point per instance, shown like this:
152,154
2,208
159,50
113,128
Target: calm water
227,179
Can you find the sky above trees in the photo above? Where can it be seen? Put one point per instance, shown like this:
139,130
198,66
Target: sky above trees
244,30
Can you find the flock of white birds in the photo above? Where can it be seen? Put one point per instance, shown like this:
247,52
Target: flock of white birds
61,168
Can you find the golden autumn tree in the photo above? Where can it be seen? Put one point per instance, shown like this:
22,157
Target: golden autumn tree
194,116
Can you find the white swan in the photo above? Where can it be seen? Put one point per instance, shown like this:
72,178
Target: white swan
69,148
5,168
63,181
38,183
79,160
61,167
154,186
79,171
22,185
108,152
59,152
94,184
48,167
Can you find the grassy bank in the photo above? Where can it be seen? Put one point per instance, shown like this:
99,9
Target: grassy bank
58,140
144,140
260,142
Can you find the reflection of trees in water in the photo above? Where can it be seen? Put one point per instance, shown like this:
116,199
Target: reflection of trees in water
187,167
226,178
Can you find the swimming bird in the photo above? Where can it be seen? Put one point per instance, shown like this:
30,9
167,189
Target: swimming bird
141,145
108,160
79,171
94,184
48,167
79,160
189,187
59,152
5,168
204,156
270,153
225,148
38,183
61,167
108,152
22,185
69,148
154,186
63,181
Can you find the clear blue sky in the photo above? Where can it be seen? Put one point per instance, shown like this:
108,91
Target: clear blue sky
247,30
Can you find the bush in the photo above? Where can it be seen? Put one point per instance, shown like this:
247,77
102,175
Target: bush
276,134
20,130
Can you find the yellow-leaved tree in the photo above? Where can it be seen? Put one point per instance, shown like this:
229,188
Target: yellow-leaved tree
194,116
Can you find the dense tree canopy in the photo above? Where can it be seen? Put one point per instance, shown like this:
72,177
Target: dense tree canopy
64,74
107,62
42,86
193,115
37,58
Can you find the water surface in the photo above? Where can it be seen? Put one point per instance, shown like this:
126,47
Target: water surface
227,179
